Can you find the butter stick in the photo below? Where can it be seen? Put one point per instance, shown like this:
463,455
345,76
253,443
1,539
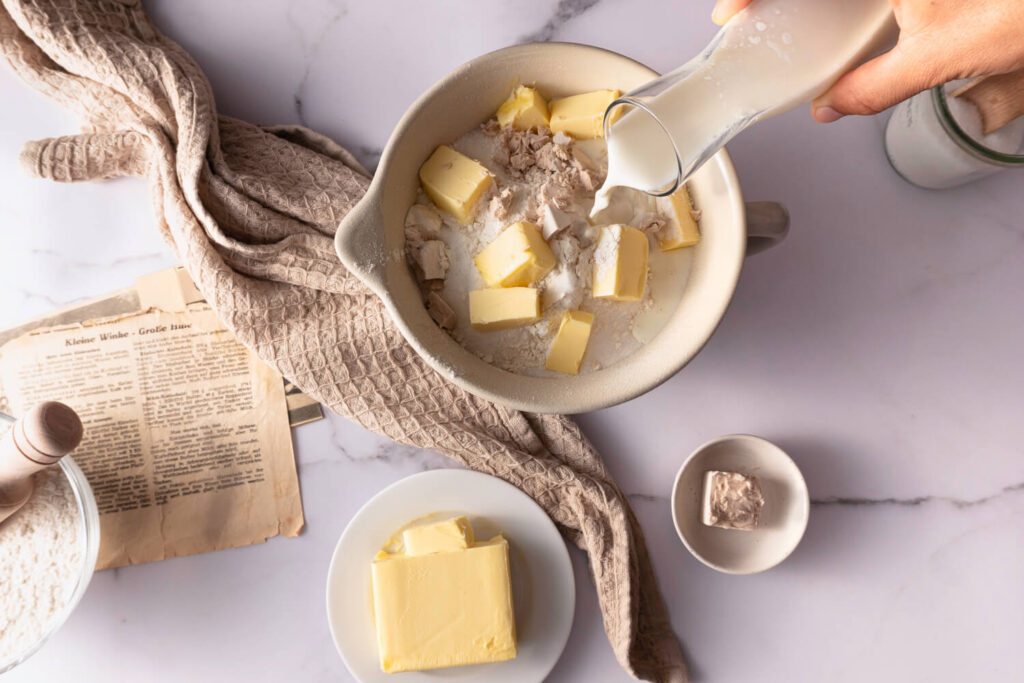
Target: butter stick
566,353
620,264
500,309
454,182
582,116
444,609
524,109
681,229
519,256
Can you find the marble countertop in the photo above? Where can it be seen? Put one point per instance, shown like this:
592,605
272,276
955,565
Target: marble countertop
880,345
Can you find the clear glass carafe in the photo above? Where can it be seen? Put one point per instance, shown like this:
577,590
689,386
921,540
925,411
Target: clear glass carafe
770,57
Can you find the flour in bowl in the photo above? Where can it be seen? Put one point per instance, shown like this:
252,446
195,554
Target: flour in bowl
509,262
41,555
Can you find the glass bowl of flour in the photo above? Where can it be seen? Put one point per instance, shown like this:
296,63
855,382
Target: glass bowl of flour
48,552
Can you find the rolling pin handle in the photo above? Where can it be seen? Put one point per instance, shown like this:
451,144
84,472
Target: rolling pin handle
45,434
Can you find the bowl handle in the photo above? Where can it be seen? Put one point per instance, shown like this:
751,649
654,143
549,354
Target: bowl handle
767,225
359,242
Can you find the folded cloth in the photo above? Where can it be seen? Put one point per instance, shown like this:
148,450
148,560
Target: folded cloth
251,211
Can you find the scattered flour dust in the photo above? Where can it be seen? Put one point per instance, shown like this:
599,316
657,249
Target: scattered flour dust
41,555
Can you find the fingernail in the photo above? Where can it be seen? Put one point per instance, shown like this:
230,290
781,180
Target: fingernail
826,114
717,15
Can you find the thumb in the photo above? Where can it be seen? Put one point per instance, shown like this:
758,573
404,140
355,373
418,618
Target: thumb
876,85
725,9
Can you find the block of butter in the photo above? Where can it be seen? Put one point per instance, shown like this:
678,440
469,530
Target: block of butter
582,116
446,606
732,500
454,182
524,109
519,256
681,229
500,309
566,352
433,537
620,264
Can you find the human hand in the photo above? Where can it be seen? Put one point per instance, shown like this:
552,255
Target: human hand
940,41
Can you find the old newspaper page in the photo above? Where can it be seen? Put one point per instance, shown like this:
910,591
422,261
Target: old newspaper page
187,441
168,290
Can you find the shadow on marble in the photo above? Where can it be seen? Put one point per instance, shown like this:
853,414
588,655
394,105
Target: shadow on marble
824,469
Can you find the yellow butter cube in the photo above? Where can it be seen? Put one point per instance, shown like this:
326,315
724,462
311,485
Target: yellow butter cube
681,229
444,609
500,309
524,109
582,116
438,537
454,182
519,256
620,264
570,343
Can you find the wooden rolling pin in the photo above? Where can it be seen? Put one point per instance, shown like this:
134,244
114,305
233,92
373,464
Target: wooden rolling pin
40,438
999,99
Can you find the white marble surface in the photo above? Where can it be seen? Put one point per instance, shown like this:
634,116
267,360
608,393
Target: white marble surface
880,345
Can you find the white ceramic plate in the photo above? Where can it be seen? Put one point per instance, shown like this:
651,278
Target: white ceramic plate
783,518
543,588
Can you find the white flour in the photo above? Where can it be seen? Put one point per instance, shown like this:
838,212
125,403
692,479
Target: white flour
620,328
41,551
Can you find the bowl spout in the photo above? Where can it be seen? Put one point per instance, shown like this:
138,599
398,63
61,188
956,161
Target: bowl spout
360,242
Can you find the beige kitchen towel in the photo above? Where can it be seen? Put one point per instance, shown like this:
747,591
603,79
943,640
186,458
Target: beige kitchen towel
251,211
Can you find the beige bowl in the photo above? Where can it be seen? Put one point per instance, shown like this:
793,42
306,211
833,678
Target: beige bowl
370,239
787,505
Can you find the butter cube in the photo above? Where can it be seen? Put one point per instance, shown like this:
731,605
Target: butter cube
524,109
454,182
620,264
681,229
570,343
732,500
582,116
519,256
438,537
500,309
444,609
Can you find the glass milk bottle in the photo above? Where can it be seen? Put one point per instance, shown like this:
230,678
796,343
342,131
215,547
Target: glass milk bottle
772,56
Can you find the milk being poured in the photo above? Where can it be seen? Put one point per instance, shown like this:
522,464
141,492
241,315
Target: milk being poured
769,58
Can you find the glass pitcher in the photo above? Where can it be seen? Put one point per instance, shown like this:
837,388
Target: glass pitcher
770,57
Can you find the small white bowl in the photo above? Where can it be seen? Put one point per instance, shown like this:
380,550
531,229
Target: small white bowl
783,519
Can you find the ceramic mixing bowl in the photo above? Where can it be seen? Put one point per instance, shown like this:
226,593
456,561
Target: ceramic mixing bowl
371,237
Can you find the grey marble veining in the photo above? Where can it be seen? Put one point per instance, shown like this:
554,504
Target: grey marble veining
335,11
958,503
564,12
